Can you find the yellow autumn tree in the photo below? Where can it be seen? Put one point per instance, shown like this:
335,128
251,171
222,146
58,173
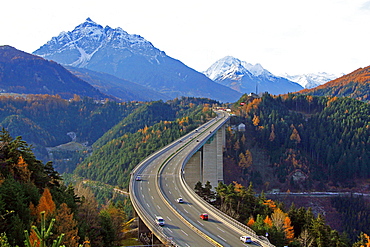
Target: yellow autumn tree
295,135
278,218
256,120
205,108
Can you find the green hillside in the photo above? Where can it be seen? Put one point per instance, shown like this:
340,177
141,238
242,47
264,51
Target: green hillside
146,130
322,139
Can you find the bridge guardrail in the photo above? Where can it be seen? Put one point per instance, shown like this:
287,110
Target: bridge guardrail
216,211
234,223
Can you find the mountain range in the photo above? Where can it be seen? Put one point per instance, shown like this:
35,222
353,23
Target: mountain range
24,73
311,80
132,58
102,62
247,78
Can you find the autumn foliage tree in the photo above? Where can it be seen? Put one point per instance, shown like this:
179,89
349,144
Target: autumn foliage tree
288,229
46,204
67,225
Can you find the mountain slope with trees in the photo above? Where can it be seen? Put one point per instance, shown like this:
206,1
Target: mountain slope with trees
148,129
24,73
302,143
60,130
298,132
354,85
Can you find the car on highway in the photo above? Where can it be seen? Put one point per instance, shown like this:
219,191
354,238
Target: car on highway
159,220
246,239
180,200
138,178
204,216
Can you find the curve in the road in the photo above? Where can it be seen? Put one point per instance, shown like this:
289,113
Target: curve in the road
164,182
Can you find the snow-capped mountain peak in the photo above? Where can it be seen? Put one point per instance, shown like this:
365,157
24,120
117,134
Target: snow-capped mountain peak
226,66
242,68
128,56
88,38
246,78
256,69
312,80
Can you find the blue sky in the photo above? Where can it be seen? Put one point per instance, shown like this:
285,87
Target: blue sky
292,36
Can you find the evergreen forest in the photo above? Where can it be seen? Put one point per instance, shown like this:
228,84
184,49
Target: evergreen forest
63,161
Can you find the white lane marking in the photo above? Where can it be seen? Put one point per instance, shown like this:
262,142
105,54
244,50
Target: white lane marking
220,229
186,211
200,222
149,189
148,205
166,185
170,192
141,187
152,197
142,196
185,233
169,229
221,238
158,207
169,218
187,245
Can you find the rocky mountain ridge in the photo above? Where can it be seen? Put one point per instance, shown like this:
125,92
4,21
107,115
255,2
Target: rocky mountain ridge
247,78
133,58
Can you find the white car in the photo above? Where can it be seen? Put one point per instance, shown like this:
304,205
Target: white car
179,200
246,239
159,220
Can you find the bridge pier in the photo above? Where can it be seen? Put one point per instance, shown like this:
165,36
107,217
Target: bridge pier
146,236
207,163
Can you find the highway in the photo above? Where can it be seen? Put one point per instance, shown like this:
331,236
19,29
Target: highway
162,183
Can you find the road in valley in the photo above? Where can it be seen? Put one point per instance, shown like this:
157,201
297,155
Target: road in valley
162,183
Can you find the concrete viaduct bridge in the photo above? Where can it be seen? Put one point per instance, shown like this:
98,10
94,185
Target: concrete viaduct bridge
171,173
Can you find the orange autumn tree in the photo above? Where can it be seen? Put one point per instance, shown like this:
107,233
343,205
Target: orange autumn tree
288,229
46,204
268,221
21,170
250,222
